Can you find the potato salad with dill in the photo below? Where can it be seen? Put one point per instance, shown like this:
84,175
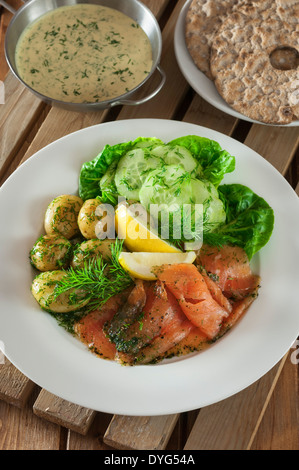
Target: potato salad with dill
108,274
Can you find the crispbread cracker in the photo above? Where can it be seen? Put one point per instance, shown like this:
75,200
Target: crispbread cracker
202,21
288,10
241,67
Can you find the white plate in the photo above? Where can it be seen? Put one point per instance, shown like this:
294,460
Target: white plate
58,362
198,80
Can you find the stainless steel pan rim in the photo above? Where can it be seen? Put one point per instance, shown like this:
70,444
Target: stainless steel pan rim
33,9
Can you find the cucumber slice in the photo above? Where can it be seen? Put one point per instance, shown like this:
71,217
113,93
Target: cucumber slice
215,215
132,170
204,192
168,185
108,177
148,142
107,185
177,155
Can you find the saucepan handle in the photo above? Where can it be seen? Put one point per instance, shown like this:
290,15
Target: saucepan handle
148,97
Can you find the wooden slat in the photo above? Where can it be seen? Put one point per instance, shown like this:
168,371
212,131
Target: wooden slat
60,123
22,430
93,440
165,104
5,17
15,388
17,117
140,433
203,114
63,412
13,164
279,428
276,144
232,424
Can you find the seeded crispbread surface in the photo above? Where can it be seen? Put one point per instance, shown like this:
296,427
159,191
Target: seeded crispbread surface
202,21
288,10
241,67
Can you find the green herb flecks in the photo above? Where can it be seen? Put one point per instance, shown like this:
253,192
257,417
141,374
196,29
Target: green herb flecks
97,280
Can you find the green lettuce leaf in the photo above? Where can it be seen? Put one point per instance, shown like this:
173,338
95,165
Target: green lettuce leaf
215,161
92,171
249,220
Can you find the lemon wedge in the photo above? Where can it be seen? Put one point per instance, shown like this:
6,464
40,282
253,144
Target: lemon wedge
136,235
140,264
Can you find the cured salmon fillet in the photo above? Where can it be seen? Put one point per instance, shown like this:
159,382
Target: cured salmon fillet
196,340
174,330
156,314
90,328
129,311
230,269
186,309
190,289
216,292
239,308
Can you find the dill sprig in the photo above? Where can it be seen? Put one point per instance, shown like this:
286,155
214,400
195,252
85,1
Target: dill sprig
96,280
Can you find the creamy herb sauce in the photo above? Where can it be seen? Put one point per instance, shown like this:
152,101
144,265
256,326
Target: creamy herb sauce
83,53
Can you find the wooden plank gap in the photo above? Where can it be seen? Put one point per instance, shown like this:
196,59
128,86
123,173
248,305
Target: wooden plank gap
241,130
167,11
184,104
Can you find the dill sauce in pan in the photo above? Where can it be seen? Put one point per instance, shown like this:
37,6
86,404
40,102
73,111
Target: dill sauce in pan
83,54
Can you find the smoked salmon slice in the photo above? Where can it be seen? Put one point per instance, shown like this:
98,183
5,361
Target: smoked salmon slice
216,292
156,314
128,312
239,308
176,328
190,289
230,269
196,340
184,310
90,328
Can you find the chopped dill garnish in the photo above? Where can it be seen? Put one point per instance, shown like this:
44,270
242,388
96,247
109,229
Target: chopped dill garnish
96,281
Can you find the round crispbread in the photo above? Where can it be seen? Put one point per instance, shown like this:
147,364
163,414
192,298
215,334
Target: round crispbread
241,67
288,10
203,18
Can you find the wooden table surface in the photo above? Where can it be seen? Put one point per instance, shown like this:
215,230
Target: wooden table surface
265,416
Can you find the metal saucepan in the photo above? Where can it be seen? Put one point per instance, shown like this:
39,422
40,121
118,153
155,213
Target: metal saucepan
33,9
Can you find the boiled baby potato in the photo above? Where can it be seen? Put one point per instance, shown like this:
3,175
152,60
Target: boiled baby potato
62,214
51,252
42,289
92,249
87,218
